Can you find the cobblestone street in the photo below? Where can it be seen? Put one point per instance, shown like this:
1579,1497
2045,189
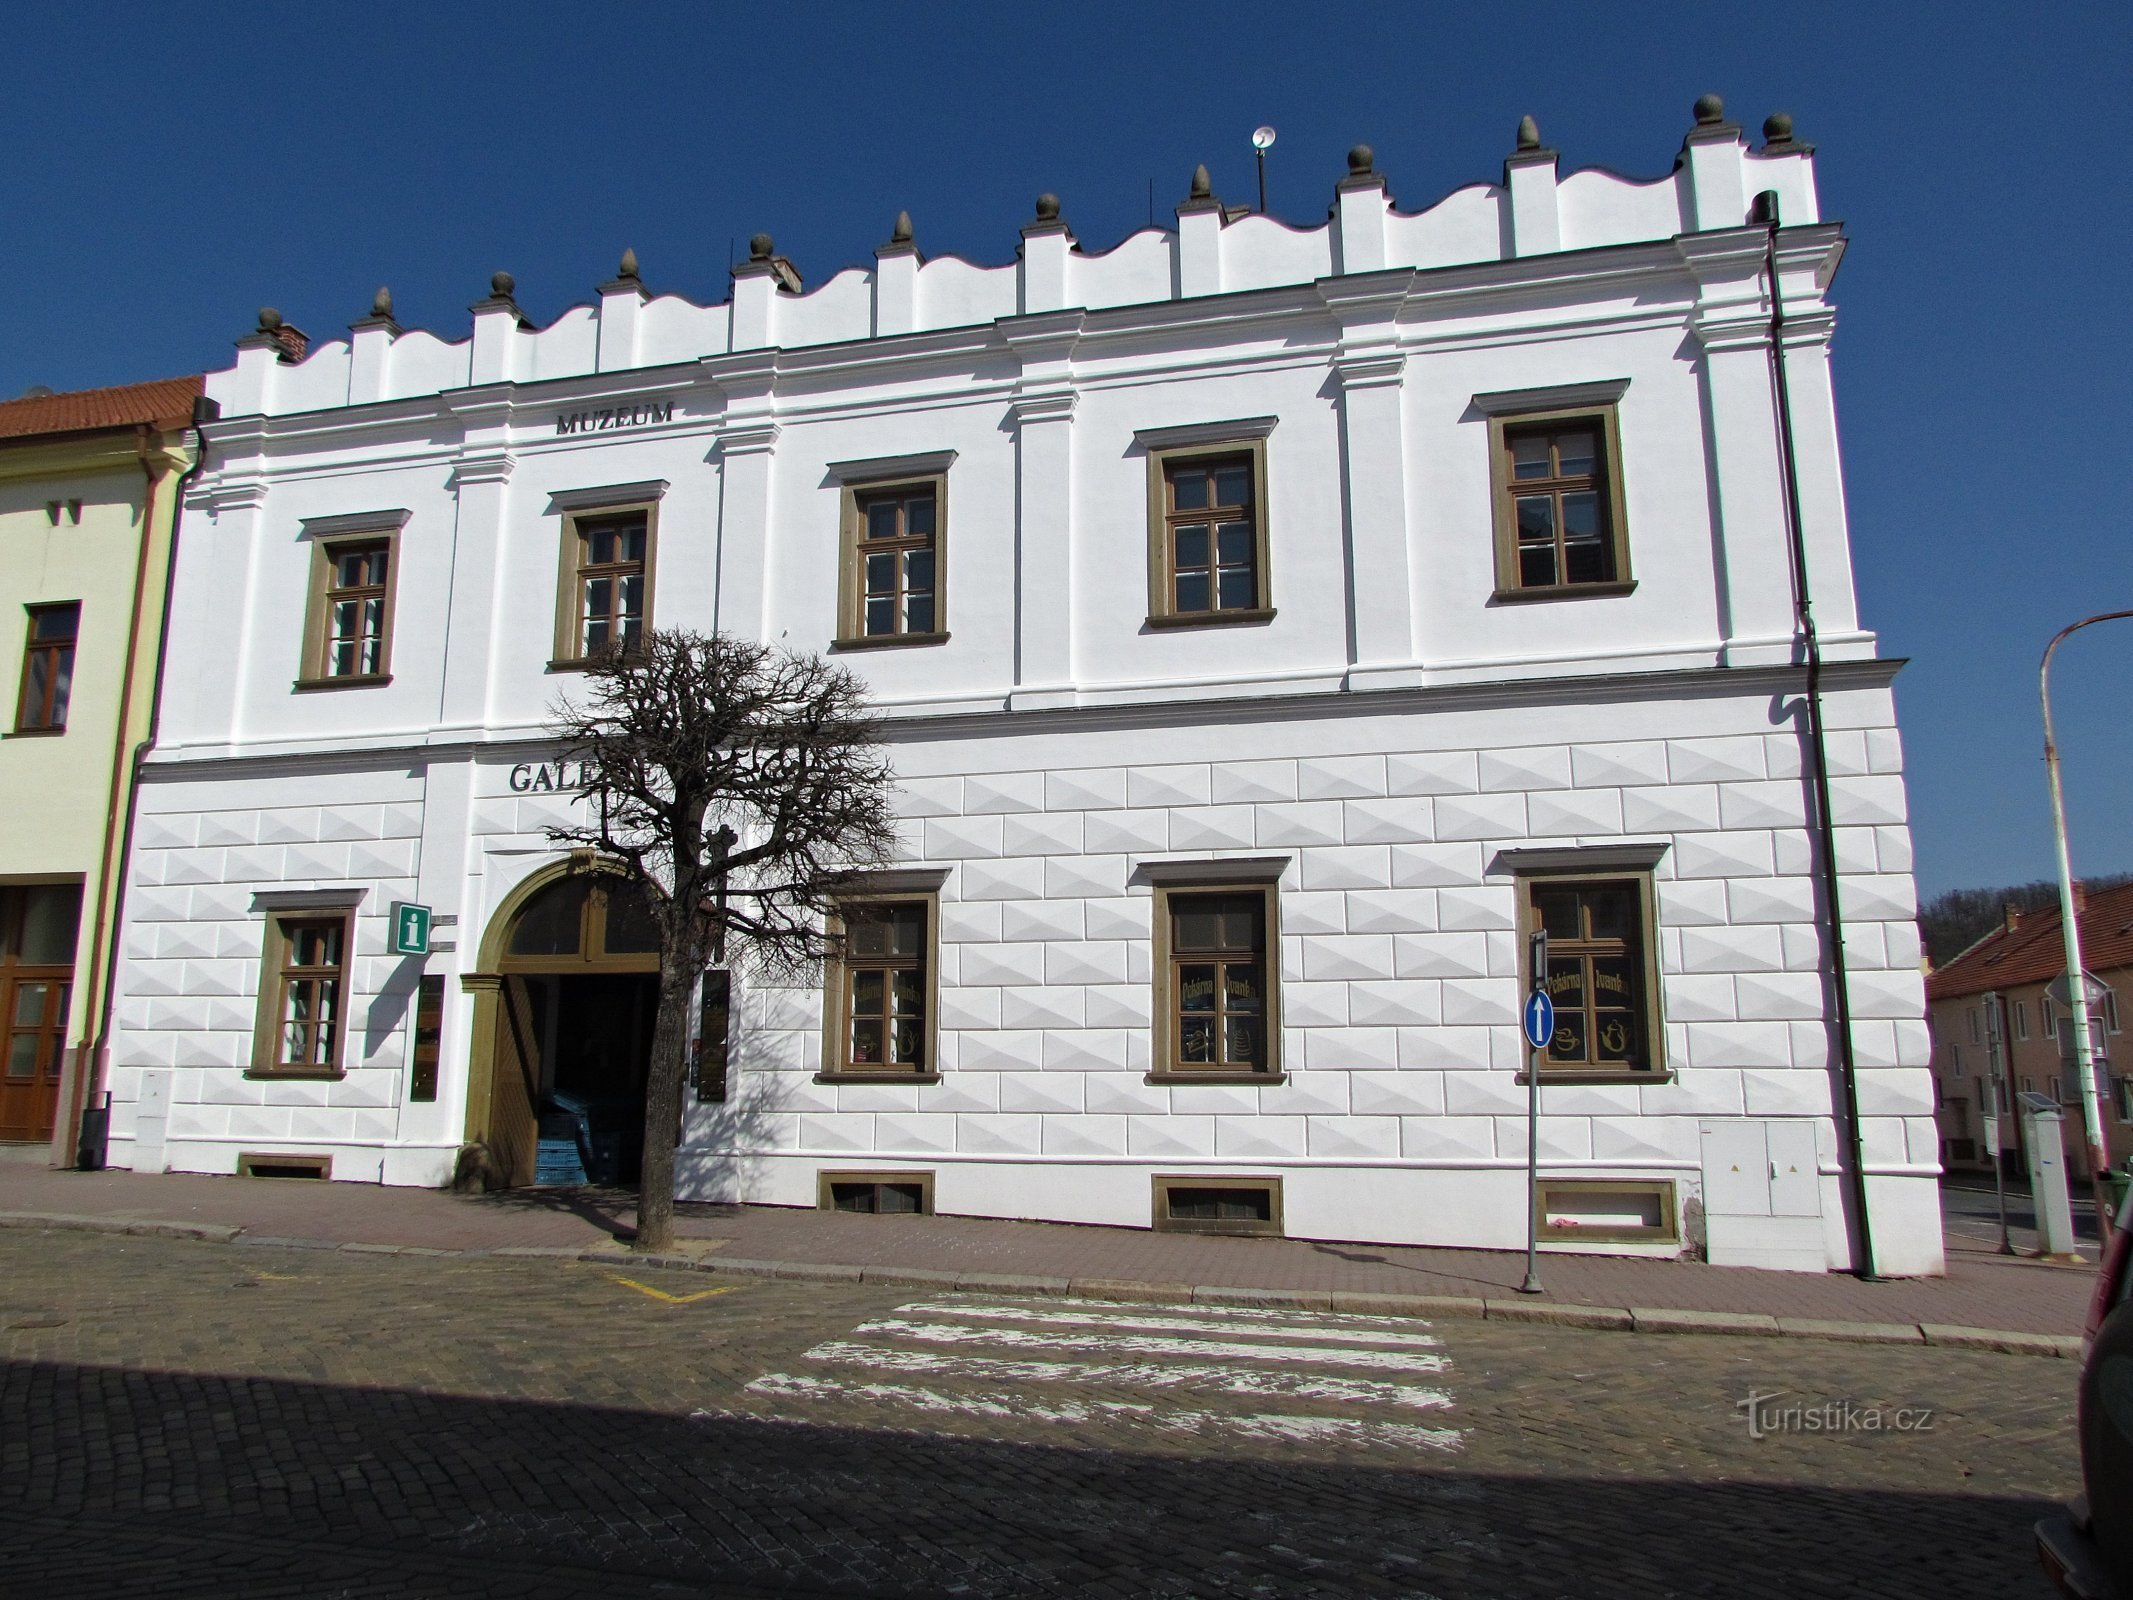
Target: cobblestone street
182,1418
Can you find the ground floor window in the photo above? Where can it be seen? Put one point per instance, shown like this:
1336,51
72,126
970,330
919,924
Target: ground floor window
303,991
879,989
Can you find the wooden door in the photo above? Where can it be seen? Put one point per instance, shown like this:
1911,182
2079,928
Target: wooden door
515,1084
33,1027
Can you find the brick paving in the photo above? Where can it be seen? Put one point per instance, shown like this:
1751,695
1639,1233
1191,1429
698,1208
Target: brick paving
1981,1290
199,1419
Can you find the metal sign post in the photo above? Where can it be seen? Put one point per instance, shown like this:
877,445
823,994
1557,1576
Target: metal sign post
1539,1025
1996,1102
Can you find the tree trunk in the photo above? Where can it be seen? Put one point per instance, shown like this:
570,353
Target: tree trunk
665,1080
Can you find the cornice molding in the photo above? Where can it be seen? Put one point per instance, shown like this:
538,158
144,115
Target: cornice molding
1375,369
487,467
1049,405
747,439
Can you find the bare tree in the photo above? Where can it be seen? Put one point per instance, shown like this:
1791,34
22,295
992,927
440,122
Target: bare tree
737,783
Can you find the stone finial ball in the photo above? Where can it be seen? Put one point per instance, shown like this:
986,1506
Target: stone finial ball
381,303
1710,108
1203,184
1047,208
1777,126
1359,160
1529,134
501,284
628,269
901,233
759,246
269,319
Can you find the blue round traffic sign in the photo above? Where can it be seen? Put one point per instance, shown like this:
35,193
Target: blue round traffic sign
1540,1019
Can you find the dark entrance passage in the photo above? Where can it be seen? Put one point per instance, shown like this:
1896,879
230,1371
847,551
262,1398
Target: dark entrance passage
601,1046
576,999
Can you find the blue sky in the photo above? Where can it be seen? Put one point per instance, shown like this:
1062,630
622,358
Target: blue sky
169,171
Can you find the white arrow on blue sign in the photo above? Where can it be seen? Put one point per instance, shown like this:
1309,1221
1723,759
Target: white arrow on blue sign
1540,1019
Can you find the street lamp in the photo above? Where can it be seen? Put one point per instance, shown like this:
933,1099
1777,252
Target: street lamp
2070,927
1262,142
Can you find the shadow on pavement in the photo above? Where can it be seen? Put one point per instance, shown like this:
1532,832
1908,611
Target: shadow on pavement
120,1482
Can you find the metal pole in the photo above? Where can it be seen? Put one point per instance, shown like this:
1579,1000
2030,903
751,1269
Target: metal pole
1532,1285
2070,929
1261,154
1996,1087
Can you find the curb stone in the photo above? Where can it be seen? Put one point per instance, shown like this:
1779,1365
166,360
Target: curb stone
1951,1337
1658,1320
1637,1319
1561,1316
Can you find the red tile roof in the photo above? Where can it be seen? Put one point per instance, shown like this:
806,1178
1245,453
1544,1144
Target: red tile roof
166,403
2033,952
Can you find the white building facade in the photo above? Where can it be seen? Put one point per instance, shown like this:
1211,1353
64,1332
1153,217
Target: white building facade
1273,627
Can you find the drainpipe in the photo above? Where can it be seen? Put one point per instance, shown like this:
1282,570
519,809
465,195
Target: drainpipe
204,412
117,806
1766,212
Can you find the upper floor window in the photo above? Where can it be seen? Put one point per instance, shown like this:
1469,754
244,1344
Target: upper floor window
604,590
611,583
1556,476
48,668
348,615
892,562
1207,524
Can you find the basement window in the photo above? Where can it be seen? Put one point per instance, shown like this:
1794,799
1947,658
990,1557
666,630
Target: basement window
1606,1212
877,1193
261,1164
1218,1205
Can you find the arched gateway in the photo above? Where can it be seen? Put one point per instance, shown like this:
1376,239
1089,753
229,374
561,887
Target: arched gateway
563,1006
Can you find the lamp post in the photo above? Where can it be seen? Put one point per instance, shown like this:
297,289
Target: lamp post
2070,928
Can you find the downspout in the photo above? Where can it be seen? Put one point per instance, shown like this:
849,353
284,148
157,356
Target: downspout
205,411
1766,212
119,804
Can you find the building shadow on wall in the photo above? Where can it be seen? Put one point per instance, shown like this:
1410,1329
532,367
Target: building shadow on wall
401,1491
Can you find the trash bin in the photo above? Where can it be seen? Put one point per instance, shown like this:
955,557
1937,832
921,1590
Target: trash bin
95,1137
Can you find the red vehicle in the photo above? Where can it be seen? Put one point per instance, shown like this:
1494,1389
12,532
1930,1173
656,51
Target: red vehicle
2088,1551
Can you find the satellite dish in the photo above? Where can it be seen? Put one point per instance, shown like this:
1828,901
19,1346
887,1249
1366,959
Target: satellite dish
1262,138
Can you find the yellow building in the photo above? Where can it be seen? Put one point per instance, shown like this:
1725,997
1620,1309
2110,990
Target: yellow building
88,487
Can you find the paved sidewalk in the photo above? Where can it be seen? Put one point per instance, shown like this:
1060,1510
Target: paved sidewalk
1982,1291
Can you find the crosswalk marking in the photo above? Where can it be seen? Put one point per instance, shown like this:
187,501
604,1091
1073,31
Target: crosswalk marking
1139,1375
1149,1344
1270,1376
1139,1321
1017,1407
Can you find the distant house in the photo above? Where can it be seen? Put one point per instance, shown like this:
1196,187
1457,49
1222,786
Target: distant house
2016,963
88,483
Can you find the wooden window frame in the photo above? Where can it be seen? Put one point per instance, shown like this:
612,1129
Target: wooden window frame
48,725
837,1066
1592,405
1168,448
862,484
825,1184
1162,1185
1666,1231
1632,866
326,550
267,1061
570,653
1259,877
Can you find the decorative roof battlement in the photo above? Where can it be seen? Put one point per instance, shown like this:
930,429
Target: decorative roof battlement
1534,211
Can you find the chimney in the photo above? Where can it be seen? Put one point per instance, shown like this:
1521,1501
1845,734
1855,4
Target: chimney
2012,914
2081,897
